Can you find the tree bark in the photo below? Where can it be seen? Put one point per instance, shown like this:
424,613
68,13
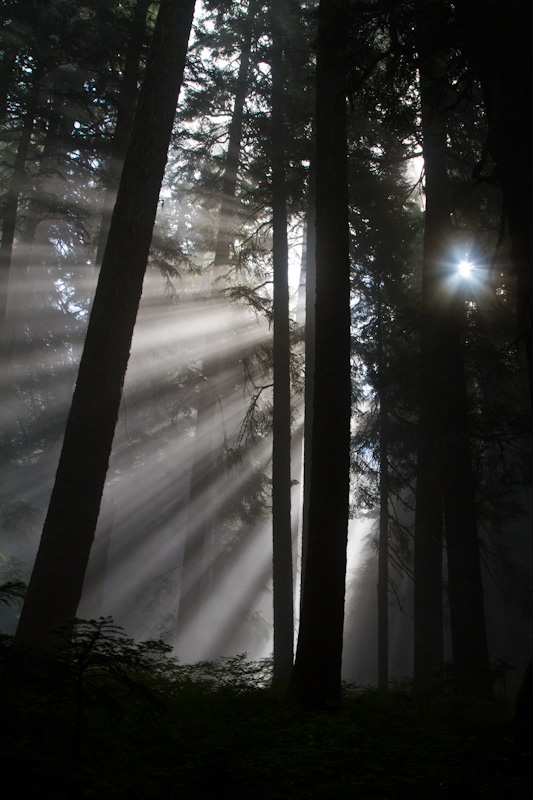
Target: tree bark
56,583
316,676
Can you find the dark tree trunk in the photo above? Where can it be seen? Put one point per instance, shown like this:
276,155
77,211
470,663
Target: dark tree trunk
127,100
310,294
316,677
281,449
57,579
496,38
429,517
471,664
384,491
428,621
444,474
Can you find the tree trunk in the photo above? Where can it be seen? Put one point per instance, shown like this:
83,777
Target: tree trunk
281,449
428,619
496,39
15,189
310,295
384,490
445,483
471,663
208,446
316,677
233,156
57,579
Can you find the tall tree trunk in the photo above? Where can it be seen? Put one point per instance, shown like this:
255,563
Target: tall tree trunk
445,473
56,583
281,449
15,189
208,444
9,224
496,39
471,663
125,113
383,537
316,676
310,295
233,156
428,620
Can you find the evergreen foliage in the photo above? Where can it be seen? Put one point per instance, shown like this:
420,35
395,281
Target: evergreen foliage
111,718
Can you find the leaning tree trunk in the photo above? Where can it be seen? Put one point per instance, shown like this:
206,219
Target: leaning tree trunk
316,676
282,585
56,583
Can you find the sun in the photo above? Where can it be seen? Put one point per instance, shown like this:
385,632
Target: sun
465,268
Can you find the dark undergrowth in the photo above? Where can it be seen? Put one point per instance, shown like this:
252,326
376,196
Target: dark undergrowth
114,719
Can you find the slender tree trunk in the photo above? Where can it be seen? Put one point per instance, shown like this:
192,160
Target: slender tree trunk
383,540
56,583
316,677
233,156
199,521
19,267
127,100
310,295
428,618
208,444
7,69
15,189
281,450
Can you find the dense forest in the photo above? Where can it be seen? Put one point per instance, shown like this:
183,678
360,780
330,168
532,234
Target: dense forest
266,352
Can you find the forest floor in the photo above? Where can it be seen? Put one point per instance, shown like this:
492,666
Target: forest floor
100,730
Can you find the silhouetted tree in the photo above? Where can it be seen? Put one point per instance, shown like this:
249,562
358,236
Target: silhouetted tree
495,37
445,481
316,676
57,579
281,448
